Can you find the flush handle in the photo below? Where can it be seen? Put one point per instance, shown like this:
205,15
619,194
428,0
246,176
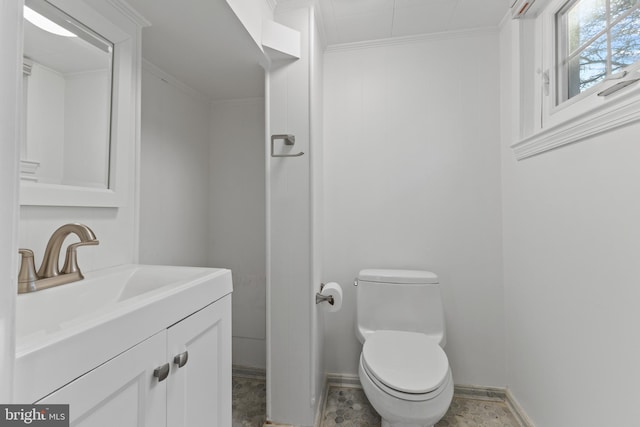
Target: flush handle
161,372
181,359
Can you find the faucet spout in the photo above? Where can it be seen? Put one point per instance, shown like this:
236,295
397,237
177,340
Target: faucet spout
50,266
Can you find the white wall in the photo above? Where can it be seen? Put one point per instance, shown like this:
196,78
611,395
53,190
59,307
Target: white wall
115,228
10,129
67,126
412,180
86,128
202,195
174,173
45,127
237,227
572,244
293,318
251,13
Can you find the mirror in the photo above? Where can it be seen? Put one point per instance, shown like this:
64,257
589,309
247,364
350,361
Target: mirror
67,97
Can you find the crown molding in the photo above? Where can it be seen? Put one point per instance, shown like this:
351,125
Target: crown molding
295,4
126,9
420,38
238,101
169,79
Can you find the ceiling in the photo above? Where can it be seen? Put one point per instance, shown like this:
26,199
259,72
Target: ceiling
67,55
349,21
204,46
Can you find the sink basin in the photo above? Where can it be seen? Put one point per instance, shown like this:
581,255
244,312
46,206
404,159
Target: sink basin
53,309
62,332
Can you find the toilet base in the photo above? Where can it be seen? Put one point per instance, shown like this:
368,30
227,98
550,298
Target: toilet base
402,413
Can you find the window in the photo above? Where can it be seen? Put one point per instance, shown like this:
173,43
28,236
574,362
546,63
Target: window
596,39
578,65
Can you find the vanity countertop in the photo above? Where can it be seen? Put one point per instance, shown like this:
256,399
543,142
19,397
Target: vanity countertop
65,331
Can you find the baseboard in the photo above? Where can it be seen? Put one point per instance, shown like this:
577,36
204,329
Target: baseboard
248,352
248,372
321,405
496,394
319,411
517,410
343,380
337,380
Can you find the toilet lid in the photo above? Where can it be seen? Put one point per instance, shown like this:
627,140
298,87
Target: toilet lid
409,362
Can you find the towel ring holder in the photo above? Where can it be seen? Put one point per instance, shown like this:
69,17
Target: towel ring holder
288,140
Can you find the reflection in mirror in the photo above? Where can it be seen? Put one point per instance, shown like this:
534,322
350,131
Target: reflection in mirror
67,79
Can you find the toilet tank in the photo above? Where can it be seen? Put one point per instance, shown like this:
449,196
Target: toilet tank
402,300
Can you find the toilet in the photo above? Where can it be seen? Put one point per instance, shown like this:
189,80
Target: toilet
403,370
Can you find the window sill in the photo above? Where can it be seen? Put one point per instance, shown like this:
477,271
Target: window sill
578,128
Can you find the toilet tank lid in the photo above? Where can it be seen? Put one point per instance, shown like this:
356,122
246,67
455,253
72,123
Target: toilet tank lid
398,276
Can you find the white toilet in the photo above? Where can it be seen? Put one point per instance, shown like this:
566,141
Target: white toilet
403,369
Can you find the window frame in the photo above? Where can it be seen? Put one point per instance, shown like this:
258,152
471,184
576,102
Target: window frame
562,53
579,117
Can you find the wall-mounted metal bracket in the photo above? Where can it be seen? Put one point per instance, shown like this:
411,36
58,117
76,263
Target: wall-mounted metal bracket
288,140
322,298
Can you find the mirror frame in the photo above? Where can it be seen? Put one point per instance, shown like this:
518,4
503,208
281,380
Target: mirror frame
124,115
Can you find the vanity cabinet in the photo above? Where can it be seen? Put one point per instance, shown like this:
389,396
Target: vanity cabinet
125,392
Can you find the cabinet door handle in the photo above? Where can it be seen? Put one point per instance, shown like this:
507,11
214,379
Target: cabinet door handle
181,359
161,372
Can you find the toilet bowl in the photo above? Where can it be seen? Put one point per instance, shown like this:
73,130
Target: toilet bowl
403,368
406,377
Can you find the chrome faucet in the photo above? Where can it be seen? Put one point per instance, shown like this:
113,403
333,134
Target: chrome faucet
49,274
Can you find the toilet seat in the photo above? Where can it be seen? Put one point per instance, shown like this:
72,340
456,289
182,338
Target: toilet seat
407,365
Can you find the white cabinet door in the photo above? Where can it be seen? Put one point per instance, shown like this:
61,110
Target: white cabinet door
122,392
199,392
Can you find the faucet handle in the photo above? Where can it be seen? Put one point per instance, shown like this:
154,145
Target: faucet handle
71,258
27,276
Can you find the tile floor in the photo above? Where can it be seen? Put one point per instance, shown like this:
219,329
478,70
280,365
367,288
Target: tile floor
349,407
249,402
